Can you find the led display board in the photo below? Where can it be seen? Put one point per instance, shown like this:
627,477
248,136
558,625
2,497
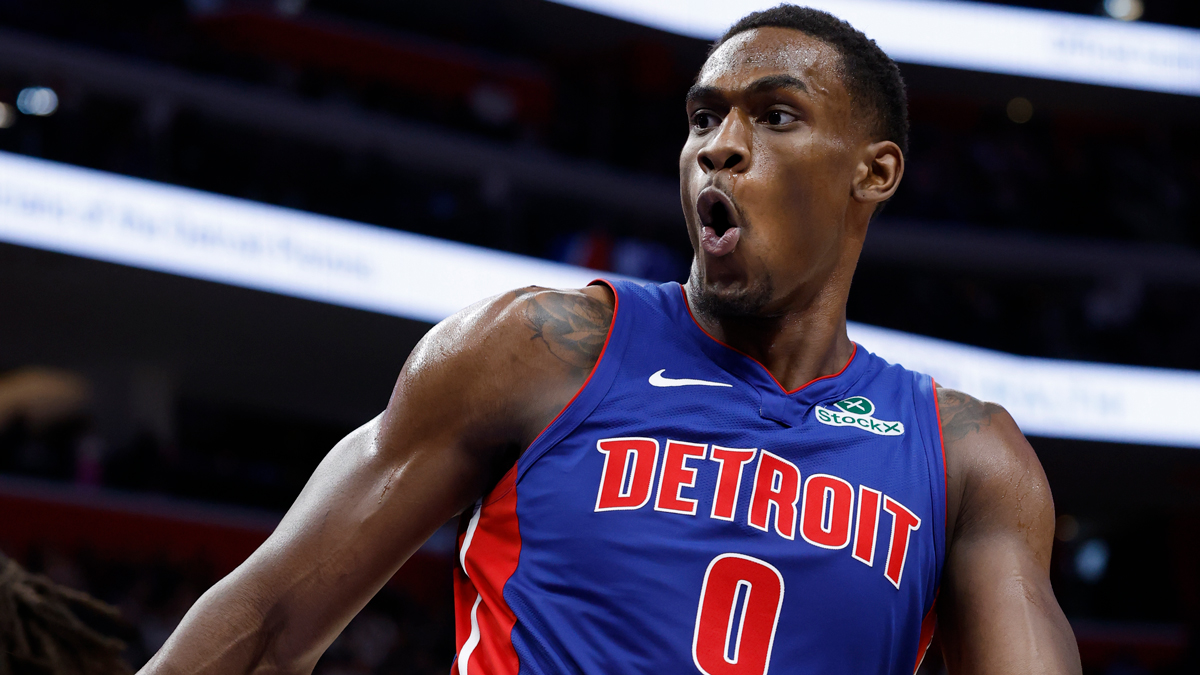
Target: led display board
969,36
195,234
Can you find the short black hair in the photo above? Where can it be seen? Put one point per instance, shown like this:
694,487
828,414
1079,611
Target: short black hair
870,76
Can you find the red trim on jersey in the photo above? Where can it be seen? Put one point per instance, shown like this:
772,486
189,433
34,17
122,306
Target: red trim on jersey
608,336
490,562
464,598
937,409
760,365
930,622
928,625
498,538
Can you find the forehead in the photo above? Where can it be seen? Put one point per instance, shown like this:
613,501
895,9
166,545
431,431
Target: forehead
757,53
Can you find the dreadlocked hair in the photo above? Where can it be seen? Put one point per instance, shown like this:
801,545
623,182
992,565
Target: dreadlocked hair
42,632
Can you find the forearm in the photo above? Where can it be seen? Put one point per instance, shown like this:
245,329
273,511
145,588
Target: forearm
225,633
353,525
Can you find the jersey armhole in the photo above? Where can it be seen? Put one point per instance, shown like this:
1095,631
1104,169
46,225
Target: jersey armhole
929,414
589,394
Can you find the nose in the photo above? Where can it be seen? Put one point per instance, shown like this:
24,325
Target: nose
729,148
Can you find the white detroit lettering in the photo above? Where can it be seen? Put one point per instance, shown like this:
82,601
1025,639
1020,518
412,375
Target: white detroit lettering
820,507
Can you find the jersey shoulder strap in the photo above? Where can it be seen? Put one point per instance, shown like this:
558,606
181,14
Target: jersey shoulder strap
635,306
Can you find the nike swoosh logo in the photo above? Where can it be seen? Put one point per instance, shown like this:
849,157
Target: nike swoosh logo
658,380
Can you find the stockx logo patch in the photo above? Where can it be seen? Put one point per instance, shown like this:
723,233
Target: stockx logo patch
857,411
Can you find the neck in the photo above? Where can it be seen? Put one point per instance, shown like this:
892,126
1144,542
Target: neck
804,342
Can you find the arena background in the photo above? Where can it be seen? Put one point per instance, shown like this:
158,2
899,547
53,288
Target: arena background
224,224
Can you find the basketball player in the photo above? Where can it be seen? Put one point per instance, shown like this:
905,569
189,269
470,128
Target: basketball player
709,478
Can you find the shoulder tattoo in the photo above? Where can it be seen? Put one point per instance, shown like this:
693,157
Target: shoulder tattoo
962,414
573,326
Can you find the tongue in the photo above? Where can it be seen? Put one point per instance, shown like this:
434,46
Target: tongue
722,245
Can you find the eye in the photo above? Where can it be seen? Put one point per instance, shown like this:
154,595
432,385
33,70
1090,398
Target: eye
777,118
704,120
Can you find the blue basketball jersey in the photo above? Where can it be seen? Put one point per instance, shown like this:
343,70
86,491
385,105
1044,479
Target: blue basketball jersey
686,514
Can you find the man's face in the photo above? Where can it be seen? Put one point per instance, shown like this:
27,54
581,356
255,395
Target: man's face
766,174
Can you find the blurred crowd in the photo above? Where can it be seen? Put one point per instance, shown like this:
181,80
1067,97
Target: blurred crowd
48,434
220,454
394,634
1087,174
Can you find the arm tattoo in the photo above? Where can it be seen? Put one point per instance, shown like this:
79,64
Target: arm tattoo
962,414
573,326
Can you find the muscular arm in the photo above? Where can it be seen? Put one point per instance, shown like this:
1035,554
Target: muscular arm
997,612
472,395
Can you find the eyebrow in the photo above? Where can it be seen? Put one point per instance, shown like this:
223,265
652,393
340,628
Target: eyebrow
762,84
772,82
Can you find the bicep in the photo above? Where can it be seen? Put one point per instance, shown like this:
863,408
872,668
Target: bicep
997,611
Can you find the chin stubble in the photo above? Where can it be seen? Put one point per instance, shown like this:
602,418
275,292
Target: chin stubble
731,302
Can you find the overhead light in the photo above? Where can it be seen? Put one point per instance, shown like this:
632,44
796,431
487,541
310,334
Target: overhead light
1125,10
1091,560
39,101
1020,110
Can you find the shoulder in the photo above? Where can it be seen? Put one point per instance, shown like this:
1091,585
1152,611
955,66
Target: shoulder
995,482
964,415
571,325
511,362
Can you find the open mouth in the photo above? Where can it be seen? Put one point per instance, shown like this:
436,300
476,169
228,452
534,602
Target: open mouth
718,219
720,229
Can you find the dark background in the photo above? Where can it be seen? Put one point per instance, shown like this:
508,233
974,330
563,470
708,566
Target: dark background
543,130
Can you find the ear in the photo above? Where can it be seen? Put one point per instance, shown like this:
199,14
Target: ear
879,173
